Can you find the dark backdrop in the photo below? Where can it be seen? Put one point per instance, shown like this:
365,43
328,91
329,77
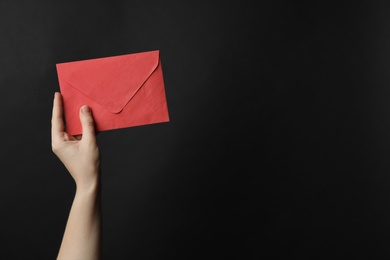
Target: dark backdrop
277,148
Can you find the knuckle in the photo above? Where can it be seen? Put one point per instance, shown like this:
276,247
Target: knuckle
55,147
89,122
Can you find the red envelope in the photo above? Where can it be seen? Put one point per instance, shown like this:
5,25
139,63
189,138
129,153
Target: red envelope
122,91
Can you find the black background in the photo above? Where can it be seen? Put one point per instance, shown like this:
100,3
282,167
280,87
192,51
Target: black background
277,145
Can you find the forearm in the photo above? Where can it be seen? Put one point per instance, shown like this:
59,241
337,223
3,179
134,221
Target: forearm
82,236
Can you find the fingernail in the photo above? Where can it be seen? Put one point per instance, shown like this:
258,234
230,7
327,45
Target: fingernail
85,109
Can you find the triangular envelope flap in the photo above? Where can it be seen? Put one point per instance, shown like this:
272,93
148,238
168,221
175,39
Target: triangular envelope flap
110,81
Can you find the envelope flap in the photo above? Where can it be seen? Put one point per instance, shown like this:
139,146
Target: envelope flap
110,81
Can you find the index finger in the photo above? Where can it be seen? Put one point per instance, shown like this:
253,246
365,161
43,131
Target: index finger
57,123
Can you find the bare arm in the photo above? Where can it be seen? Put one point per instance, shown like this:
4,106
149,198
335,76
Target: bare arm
81,157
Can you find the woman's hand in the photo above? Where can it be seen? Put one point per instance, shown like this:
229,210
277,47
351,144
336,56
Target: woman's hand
79,154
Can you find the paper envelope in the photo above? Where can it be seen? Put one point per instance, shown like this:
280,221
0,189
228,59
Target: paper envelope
122,91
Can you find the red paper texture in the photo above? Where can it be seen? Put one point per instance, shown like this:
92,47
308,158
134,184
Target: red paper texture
122,91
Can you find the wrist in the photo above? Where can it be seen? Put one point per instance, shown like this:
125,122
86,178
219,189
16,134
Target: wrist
91,185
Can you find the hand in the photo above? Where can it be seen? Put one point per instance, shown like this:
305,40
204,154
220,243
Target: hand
79,154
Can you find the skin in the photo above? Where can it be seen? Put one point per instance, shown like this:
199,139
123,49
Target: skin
81,157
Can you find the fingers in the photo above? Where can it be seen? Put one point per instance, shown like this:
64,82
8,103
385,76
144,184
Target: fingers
57,123
87,123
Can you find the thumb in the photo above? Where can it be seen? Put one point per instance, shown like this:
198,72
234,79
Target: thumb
87,123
